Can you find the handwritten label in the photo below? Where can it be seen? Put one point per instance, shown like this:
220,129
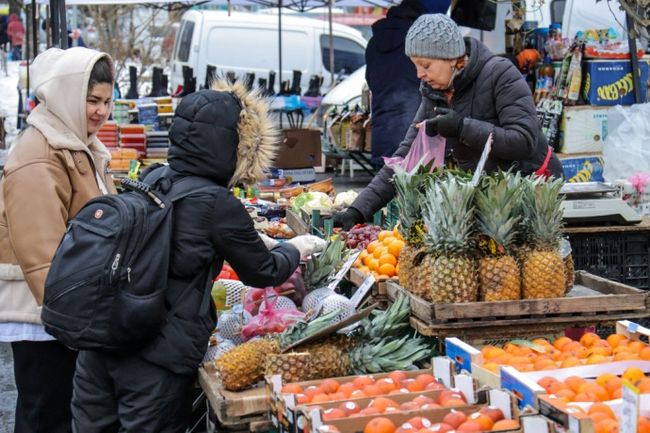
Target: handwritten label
630,409
344,270
362,291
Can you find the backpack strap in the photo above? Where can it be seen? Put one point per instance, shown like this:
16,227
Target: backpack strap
180,188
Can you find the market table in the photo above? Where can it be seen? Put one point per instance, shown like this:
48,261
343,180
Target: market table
237,411
616,252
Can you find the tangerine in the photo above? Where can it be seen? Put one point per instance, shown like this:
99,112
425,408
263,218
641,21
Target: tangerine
292,388
483,420
395,247
588,339
601,408
372,246
383,403
386,384
561,342
633,375
329,386
380,425
615,340
384,234
454,418
387,269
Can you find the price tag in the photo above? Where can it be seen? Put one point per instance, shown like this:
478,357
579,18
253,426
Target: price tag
630,409
344,270
362,291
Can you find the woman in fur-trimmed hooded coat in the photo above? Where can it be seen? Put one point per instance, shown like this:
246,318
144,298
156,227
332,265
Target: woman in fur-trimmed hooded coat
224,135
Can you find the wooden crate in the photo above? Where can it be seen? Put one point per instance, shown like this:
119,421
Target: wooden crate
246,410
593,300
379,290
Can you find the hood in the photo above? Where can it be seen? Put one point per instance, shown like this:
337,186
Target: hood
388,34
224,134
13,17
478,55
60,82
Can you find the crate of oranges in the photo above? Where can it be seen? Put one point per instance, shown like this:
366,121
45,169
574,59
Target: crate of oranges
381,257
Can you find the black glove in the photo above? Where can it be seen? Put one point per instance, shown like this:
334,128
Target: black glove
347,219
446,122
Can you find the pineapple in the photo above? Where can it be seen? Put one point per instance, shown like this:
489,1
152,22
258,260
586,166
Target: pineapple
242,366
448,273
411,227
544,270
325,264
498,220
377,348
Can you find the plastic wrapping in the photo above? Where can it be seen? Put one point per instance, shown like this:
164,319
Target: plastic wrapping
423,150
271,319
625,149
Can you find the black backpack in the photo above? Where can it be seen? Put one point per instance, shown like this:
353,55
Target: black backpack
107,283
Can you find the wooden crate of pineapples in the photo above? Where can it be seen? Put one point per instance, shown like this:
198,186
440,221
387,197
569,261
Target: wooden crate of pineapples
487,258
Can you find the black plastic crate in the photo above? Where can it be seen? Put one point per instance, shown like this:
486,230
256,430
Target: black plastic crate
618,256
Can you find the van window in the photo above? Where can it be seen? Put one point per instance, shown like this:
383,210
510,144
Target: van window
185,41
348,54
244,49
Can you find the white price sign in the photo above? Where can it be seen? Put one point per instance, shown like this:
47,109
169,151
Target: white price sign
362,291
344,270
630,409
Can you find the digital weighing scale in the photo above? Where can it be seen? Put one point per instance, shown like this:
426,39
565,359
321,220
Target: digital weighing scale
596,202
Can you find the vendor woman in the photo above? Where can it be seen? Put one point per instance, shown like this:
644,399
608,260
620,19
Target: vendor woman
468,93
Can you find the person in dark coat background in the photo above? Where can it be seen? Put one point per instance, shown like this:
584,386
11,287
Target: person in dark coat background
223,134
391,76
4,37
486,94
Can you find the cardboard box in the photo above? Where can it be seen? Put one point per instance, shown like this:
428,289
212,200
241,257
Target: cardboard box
610,82
299,148
583,129
587,167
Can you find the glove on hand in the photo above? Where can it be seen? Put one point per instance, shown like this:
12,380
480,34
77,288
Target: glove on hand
446,122
347,219
268,241
308,244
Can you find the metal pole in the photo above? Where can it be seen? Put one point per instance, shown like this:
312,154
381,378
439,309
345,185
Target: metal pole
331,38
631,40
28,50
34,29
54,12
280,45
63,25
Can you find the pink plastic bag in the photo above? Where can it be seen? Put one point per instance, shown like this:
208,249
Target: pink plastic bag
423,150
270,320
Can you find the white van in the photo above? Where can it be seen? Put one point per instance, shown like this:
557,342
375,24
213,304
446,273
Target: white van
245,42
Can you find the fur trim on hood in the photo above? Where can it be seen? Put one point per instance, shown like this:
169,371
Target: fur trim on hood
258,138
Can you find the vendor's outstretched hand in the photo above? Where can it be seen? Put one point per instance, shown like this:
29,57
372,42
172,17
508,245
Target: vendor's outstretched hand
347,219
446,122
308,244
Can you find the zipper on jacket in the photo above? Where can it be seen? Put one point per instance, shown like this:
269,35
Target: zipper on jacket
116,263
67,290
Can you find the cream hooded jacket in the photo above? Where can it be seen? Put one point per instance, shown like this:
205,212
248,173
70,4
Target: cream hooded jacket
53,169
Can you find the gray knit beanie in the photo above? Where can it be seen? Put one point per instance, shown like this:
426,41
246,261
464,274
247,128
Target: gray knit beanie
435,36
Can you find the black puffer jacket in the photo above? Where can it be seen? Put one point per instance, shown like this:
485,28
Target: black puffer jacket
208,229
494,98
392,79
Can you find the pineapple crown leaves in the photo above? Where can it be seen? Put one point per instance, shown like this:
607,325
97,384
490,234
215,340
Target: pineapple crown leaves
543,211
448,215
389,354
497,205
391,322
409,186
323,265
303,329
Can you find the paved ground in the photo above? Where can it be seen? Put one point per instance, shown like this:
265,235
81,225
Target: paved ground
7,386
7,390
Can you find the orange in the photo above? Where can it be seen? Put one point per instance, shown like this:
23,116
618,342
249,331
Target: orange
454,418
614,384
357,393
599,391
373,264
607,426
384,234
491,366
387,241
586,396
311,391
387,269
565,394
387,258
615,339
645,354
338,396
380,425
364,269
546,382
597,359
397,269
626,356
636,346
302,399
379,251
386,384
333,413
367,259
482,420
560,342
372,246
570,361
397,376
329,386
347,388
372,390
395,247
505,424
382,403
604,378
633,375
321,398
643,425
589,339
545,364
493,352
574,382
602,408
360,381
469,426
558,386
415,386
425,379
292,388
644,385
363,254
600,350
